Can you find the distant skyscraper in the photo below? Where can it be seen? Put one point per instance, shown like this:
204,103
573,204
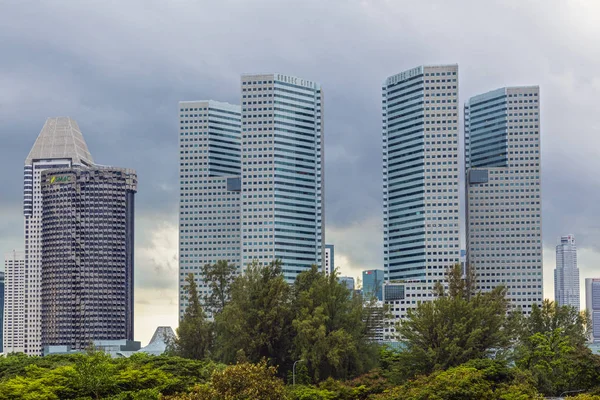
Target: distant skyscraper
347,281
420,173
13,330
566,274
87,243
592,305
372,283
282,172
209,199
60,144
329,258
504,221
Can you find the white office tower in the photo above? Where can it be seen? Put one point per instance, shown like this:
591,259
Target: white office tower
592,305
282,172
420,181
566,273
14,303
60,144
209,195
504,199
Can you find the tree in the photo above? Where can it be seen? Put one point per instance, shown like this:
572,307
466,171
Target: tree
240,382
460,324
552,346
331,327
195,334
218,277
256,322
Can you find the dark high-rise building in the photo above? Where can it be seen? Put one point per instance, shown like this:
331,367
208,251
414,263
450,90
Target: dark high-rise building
87,240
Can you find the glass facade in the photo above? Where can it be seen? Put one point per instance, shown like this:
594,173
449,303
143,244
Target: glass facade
209,190
373,283
282,172
87,255
504,221
420,173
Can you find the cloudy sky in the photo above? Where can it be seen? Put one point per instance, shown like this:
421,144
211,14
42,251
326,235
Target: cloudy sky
120,67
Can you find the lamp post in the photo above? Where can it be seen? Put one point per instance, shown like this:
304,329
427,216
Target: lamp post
294,372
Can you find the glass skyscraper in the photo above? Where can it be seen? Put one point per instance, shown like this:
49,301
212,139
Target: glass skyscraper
503,196
566,273
420,173
209,193
282,172
372,284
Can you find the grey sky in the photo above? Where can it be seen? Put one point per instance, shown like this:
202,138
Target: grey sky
120,67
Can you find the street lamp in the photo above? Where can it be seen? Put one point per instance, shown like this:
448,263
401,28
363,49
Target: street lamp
294,372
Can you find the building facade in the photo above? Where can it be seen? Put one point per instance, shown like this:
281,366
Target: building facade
87,255
372,283
210,189
329,265
420,182
14,285
420,173
503,195
566,273
592,306
282,181
347,281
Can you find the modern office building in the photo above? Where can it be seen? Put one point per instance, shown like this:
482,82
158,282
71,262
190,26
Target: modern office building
60,144
566,273
420,173
210,189
372,283
87,243
503,195
420,182
329,265
282,212
347,281
592,305
13,321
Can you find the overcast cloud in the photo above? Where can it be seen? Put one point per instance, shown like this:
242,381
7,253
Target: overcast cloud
120,67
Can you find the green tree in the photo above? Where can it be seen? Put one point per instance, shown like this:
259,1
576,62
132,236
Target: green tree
218,277
256,322
552,346
331,327
460,324
94,374
195,334
240,382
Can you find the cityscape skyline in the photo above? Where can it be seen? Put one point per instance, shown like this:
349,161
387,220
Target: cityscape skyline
137,112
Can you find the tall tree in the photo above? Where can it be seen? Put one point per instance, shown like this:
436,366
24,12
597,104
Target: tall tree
331,327
218,277
460,324
256,322
195,334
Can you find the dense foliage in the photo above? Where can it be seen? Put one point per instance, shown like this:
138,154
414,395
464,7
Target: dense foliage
464,345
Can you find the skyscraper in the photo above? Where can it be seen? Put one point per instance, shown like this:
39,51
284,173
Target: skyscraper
592,305
209,200
504,200
420,183
420,173
566,273
282,172
372,283
329,259
87,242
13,325
60,144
